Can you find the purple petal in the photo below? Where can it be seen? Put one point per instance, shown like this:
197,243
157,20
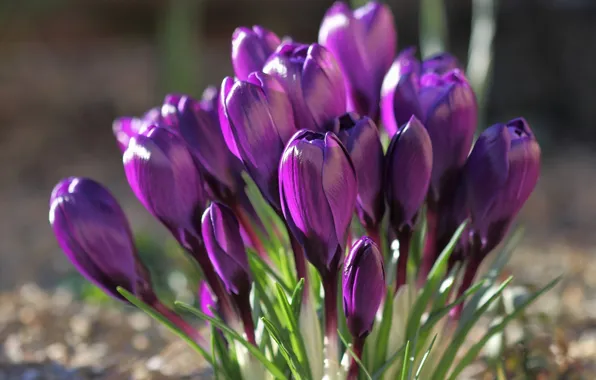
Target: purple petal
251,48
226,87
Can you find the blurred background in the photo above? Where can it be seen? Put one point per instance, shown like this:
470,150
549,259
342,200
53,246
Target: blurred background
69,67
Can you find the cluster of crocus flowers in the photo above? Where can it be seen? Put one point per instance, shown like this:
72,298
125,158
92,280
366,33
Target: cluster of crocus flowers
306,123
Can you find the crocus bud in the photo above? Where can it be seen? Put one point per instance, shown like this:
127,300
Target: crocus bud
226,87
314,82
500,174
251,48
408,168
363,41
221,233
198,124
363,286
361,139
125,128
164,177
440,63
450,117
318,190
259,119
94,233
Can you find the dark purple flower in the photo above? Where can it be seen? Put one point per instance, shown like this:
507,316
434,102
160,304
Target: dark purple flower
408,166
251,48
314,83
198,124
125,128
500,174
221,233
259,122
440,63
363,41
318,190
445,104
361,139
165,178
363,286
94,233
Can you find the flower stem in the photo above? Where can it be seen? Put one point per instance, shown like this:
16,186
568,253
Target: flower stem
200,254
354,370
177,320
243,303
430,246
331,345
469,274
299,259
373,233
401,275
244,220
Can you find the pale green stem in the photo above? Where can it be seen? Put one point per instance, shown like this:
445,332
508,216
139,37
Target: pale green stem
434,35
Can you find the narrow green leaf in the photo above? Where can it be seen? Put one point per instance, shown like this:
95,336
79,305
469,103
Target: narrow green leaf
296,341
381,371
161,319
296,299
462,332
380,352
255,260
353,355
418,237
424,358
476,348
274,370
405,361
230,367
285,349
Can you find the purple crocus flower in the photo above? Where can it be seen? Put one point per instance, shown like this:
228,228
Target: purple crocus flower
500,175
221,233
445,104
364,42
125,128
318,190
164,177
94,233
363,286
314,83
197,122
440,63
259,123
408,163
361,139
251,48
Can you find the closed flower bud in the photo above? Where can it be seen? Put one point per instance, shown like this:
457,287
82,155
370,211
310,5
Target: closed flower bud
363,41
314,83
440,63
361,139
363,286
164,177
198,124
408,167
125,128
251,48
500,175
318,190
259,122
95,235
221,233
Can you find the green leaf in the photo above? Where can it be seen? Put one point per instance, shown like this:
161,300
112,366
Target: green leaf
273,370
161,319
418,237
296,299
230,367
462,332
353,355
380,352
285,349
435,277
256,261
381,371
296,341
424,358
476,348
405,362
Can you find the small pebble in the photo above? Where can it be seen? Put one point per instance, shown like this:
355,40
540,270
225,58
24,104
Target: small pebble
140,342
56,352
139,321
80,325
